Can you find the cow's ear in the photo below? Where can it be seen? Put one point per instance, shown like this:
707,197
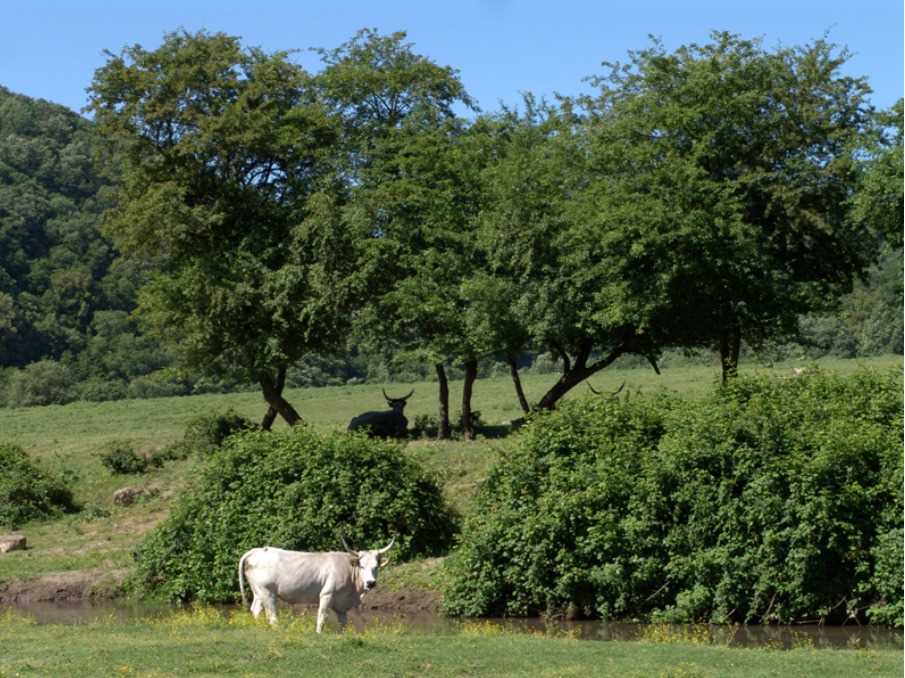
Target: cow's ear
353,560
385,561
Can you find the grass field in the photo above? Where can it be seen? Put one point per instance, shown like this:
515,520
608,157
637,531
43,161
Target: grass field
209,643
97,543
69,438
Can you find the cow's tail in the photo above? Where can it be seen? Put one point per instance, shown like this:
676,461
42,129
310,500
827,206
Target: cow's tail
242,575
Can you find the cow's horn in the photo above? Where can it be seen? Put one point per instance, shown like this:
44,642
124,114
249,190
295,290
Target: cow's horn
387,547
608,395
343,539
405,397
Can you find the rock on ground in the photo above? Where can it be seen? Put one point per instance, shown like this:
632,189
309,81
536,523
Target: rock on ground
12,542
126,496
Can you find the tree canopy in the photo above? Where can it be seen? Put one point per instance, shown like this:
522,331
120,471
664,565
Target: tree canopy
737,164
708,197
55,267
228,185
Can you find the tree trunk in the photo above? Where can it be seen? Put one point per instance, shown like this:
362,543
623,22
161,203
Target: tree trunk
443,424
269,417
471,373
730,346
272,388
574,374
517,382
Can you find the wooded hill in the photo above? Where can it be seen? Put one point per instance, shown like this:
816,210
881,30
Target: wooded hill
442,242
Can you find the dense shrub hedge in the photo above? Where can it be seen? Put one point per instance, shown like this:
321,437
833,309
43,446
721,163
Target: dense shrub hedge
769,501
120,458
27,492
295,489
45,382
205,433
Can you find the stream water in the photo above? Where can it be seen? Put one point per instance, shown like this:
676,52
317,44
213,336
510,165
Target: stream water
780,637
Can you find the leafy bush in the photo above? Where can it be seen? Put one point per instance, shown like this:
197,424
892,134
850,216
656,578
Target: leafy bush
159,384
769,501
317,371
28,492
101,390
172,452
45,382
424,426
6,376
207,432
120,458
294,489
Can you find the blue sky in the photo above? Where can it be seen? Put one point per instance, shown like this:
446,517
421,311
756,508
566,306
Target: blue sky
501,47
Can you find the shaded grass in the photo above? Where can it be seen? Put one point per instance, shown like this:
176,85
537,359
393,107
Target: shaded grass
207,642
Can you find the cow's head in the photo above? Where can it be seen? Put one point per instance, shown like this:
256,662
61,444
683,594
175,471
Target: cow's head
397,404
369,562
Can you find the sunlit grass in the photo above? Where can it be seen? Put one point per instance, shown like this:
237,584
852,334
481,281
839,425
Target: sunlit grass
209,641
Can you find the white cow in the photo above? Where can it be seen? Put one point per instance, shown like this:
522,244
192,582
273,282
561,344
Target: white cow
336,579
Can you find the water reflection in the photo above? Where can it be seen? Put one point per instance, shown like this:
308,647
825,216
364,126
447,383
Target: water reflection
777,637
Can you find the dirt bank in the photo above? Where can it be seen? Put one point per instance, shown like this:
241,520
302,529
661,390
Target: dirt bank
63,587
409,602
104,585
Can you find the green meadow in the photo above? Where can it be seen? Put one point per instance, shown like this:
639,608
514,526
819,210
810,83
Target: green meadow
206,642
97,543
70,438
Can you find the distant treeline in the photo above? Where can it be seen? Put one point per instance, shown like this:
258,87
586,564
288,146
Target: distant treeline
420,183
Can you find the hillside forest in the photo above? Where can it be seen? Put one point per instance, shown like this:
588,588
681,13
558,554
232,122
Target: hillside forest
220,219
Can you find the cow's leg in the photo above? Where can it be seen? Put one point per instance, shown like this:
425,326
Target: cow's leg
256,606
263,599
343,618
270,604
326,599
266,600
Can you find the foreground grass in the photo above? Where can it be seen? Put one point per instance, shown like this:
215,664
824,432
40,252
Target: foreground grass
209,643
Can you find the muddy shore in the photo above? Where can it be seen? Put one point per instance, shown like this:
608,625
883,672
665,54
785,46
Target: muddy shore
106,585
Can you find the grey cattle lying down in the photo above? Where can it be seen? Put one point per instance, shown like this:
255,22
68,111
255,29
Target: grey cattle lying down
336,579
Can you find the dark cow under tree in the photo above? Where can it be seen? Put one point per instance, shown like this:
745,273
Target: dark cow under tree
386,423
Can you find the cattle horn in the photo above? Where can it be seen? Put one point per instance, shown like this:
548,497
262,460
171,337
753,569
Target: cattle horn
608,395
346,545
405,397
387,547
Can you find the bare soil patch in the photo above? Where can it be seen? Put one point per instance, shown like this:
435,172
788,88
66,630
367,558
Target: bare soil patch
61,587
406,602
101,584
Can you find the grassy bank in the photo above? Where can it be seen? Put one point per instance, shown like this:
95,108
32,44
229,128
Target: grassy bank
208,643
70,438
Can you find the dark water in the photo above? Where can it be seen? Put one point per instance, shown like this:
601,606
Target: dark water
778,637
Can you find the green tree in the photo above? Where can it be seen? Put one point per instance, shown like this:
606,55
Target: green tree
878,203
228,184
556,259
402,151
375,82
493,323
423,194
872,313
742,161
52,257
